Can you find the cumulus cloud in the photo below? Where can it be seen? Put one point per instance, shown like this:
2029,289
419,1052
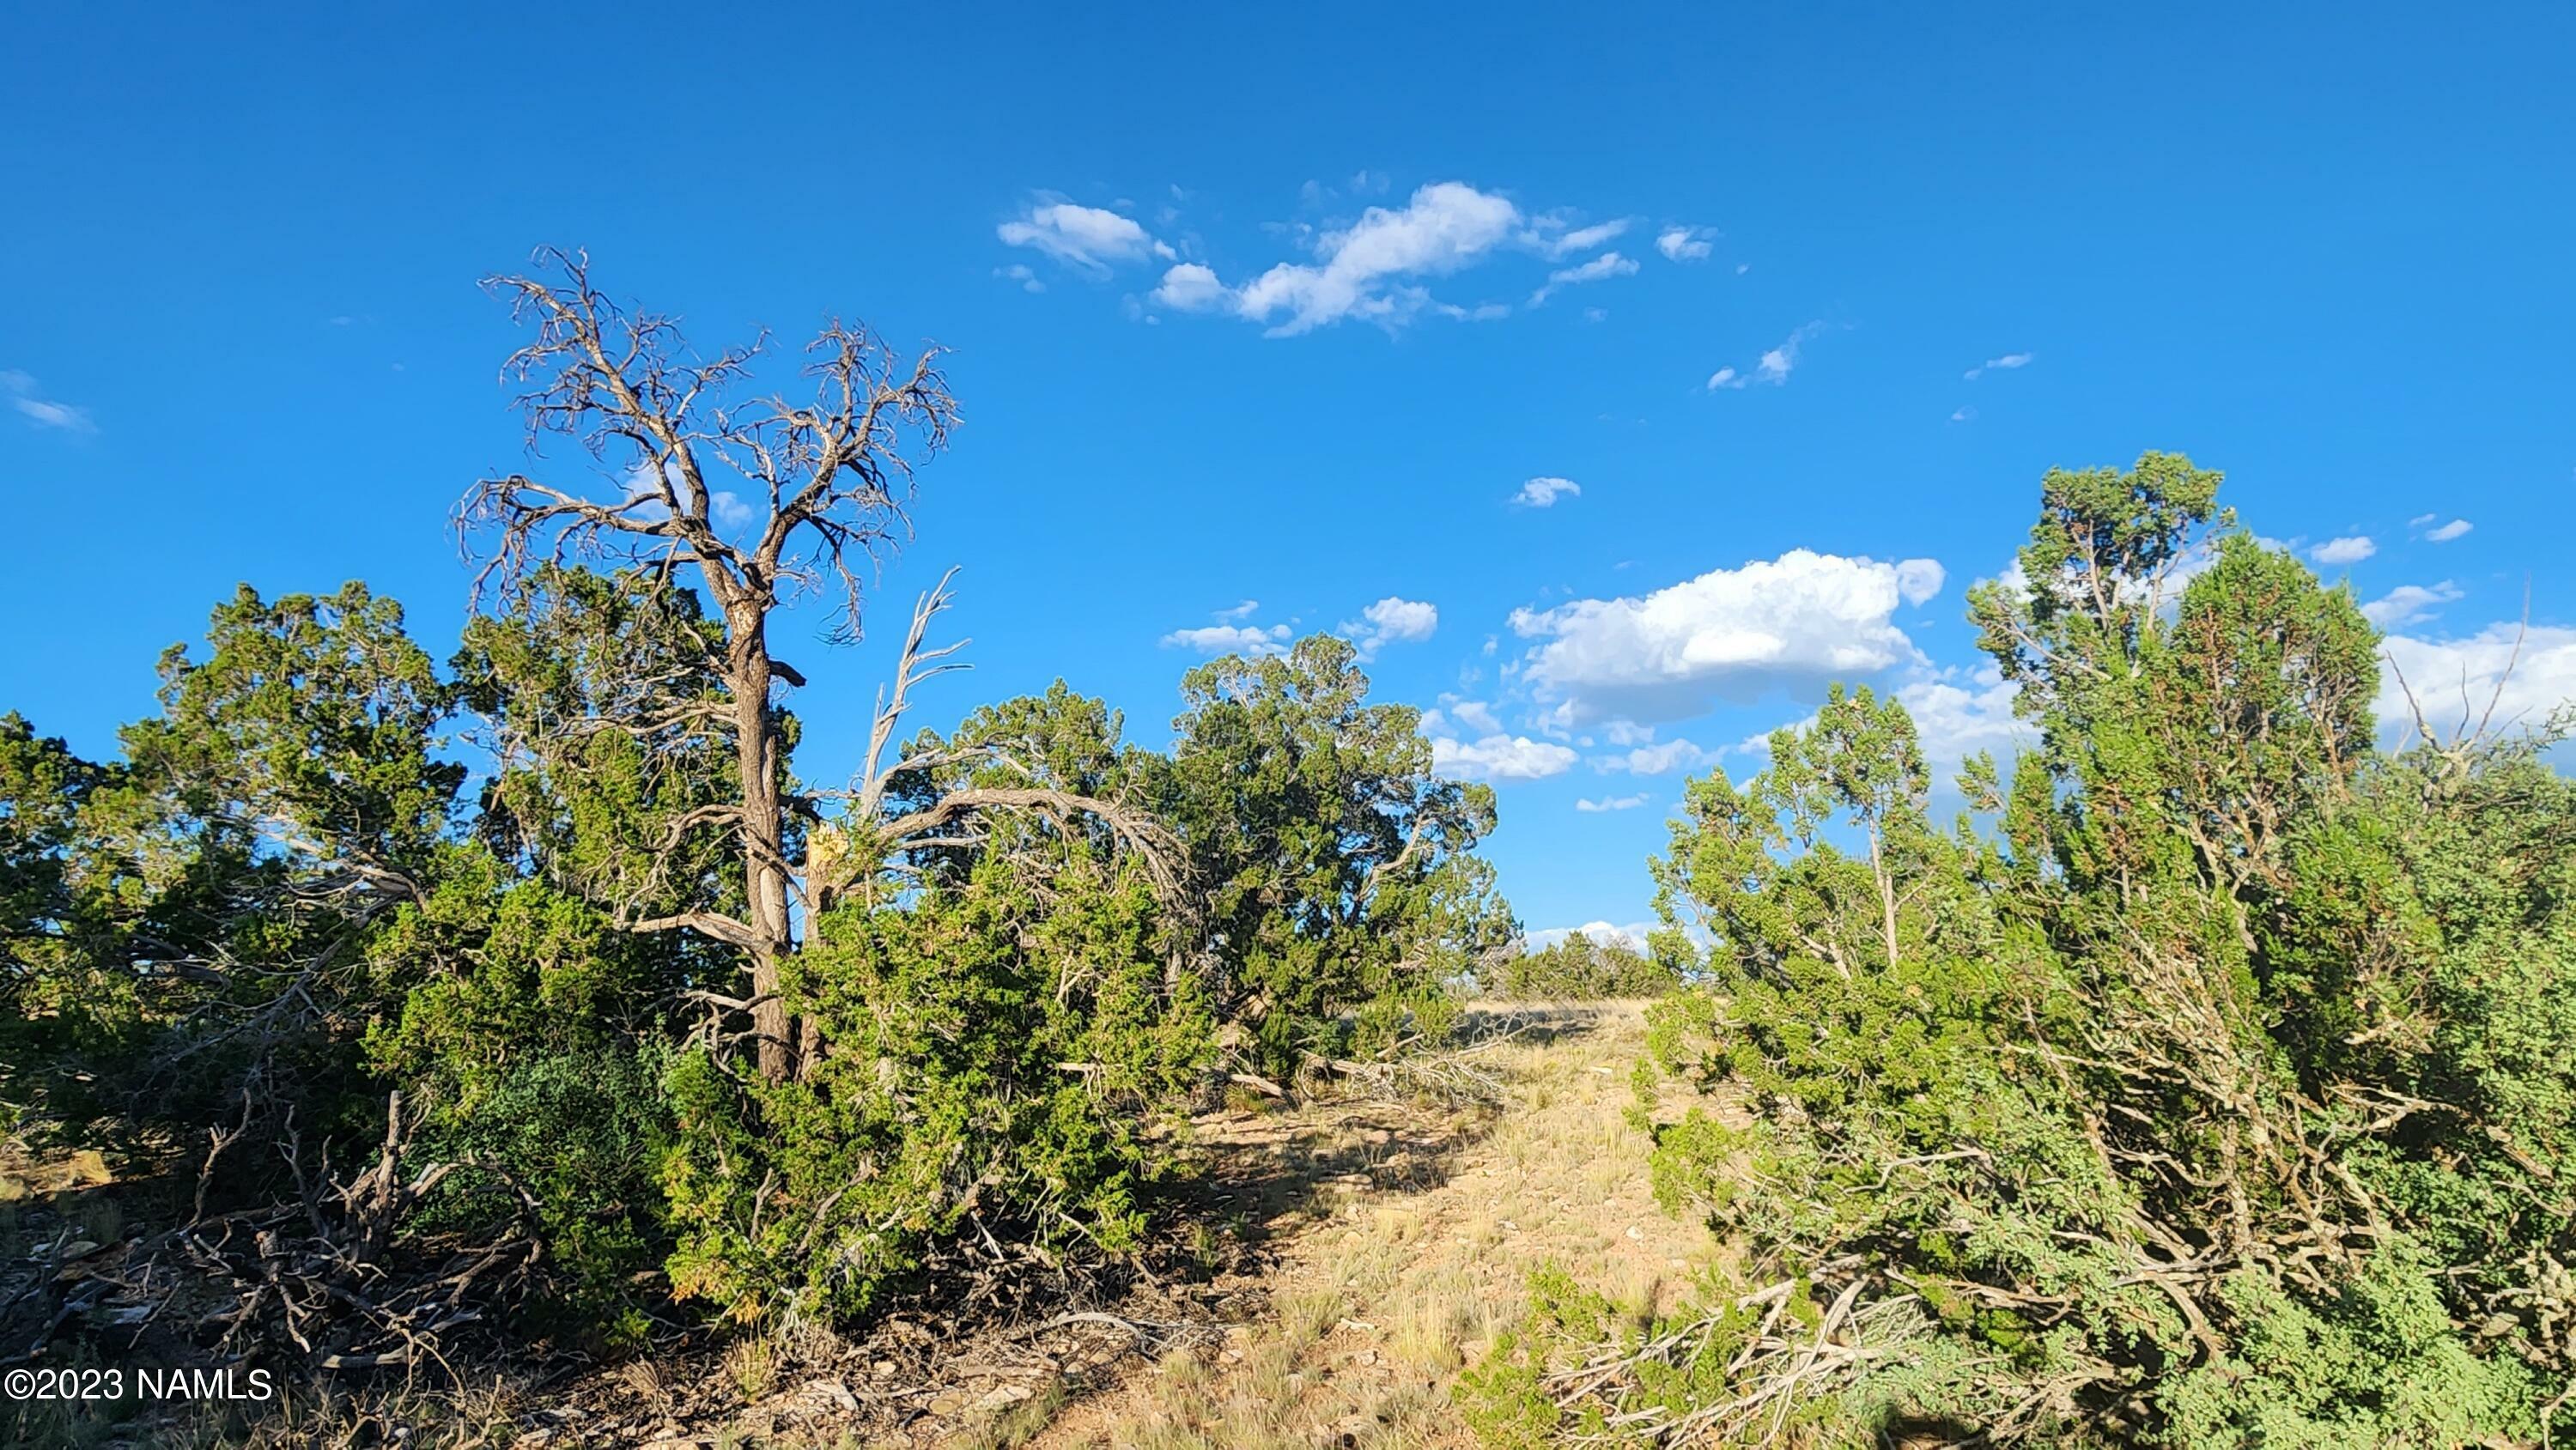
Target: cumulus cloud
1728,634
25,401
1189,287
1685,244
730,511
1631,936
1020,273
1773,367
1475,715
2408,603
1250,640
1541,493
1088,239
2350,550
1611,803
1952,721
2525,673
1391,620
2005,363
1500,757
2452,530
1608,264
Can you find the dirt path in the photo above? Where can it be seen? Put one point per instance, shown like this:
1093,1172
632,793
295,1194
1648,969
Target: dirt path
1397,1271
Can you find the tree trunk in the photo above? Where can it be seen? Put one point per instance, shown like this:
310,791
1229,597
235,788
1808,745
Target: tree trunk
764,854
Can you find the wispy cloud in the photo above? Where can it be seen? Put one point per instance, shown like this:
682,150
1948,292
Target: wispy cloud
1088,239
1612,803
1774,366
2005,363
2408,603
1608,264
1020,273
1662,758
1245,610
1365,270
1540,493
1554,237
2447,532
1964,415
2351,550
26,400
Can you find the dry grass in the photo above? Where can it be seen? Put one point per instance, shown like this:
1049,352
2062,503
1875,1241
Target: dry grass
1396,1282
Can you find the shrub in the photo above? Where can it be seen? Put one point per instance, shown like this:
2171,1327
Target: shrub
2218,1097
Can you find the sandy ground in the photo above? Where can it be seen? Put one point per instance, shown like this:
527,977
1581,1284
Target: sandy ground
1398,1272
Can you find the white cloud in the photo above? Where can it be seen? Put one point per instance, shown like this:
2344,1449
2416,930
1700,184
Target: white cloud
1476,715
2350,550
1242,639
2456,679
2420,520
1541,493
1917,580
2408,603
1553,240
1627,732
730,511
43,412
2452,530
1245,610
1611,803
1020,273
1500,757
1189,287
1951,721
1954,723
1774,366
1391,620
1085,238
1685,244
1964,415
1608,264
1730,633
1661,759
1443,227
2005,363
1631,936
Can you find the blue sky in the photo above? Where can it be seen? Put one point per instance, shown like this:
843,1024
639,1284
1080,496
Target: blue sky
1245,307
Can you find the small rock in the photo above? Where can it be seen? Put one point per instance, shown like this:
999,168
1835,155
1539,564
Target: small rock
947,1405
1636,1233
1002,1397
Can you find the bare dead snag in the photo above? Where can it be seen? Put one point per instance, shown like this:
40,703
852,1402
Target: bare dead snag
761,497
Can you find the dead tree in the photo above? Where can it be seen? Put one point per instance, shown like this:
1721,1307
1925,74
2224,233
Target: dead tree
761,496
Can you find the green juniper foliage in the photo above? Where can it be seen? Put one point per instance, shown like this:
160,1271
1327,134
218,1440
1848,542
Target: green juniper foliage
283,905
1581,968
2217,1094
